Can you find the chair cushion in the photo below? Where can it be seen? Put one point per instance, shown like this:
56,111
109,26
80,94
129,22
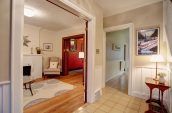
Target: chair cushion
52,70
53,65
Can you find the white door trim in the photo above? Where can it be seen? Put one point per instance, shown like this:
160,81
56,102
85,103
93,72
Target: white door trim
17,55
131,65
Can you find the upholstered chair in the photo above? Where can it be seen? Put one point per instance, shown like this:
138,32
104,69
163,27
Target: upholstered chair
54,67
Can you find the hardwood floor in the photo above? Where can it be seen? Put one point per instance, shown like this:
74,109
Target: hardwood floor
65,103
120,83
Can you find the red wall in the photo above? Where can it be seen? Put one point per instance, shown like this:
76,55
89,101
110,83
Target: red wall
74,62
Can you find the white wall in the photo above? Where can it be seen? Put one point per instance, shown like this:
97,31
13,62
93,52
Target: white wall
38,36
5,39
33,35
47,36
113,57
5,75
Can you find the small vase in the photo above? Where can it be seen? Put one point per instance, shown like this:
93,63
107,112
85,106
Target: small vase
161,80
38,52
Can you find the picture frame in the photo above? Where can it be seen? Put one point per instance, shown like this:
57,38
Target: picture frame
48,46
148,41
116,47
73,45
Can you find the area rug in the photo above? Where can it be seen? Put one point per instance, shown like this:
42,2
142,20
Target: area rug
45,90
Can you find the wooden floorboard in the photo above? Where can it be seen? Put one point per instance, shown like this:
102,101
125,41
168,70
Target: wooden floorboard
65,103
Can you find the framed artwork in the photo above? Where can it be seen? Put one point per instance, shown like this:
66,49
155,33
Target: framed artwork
115,47
73,45
47,46
26,41
148,41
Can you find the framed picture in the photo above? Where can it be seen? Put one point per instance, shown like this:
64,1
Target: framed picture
115,47
47,46
148,41
73,45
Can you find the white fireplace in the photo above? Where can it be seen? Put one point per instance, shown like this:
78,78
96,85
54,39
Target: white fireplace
35,61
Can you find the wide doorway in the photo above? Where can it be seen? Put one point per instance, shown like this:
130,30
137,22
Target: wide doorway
118,57
46,87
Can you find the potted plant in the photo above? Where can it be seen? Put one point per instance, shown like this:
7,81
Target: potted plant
161,78
38,50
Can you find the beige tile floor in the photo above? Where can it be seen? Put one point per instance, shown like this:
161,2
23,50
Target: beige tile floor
114,101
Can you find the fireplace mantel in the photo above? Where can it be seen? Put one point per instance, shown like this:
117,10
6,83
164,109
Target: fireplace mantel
32,55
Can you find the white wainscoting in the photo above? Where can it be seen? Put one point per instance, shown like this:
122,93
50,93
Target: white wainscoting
139,87
5,103
98,82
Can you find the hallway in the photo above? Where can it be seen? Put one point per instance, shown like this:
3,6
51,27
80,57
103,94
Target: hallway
120,83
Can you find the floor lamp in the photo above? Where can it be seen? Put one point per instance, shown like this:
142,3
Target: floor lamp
157,59
81,56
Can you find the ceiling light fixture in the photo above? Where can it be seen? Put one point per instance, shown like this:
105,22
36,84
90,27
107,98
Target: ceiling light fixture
28,12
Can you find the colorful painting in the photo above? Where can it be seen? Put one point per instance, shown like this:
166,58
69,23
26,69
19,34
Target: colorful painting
148,41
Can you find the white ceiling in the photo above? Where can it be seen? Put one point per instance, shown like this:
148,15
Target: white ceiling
50,17
112,7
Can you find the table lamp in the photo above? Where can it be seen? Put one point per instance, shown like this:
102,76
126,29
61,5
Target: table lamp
157,59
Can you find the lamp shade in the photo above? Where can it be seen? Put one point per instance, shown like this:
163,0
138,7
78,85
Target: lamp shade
157,58
81,54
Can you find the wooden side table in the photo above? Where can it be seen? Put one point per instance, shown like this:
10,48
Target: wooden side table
152,84
27,81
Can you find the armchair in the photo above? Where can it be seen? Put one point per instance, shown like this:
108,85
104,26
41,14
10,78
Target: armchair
54,67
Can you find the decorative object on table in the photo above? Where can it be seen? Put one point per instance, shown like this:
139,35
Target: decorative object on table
47,46
73,45
26,41
148,41
115,47
38,50
161,78
157,59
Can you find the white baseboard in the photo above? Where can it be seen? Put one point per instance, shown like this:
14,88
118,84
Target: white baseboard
98,94
114,75
142,95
